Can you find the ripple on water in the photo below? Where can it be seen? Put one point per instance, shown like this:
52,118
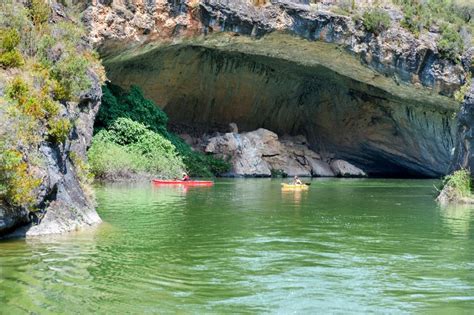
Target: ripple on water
244,247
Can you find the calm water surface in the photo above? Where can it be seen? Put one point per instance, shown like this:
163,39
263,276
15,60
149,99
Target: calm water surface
244,246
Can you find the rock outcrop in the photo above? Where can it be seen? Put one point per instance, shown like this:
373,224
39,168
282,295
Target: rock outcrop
61,200
377,101
260,153
64,205
463,154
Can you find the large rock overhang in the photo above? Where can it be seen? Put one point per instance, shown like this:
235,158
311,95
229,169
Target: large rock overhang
295,86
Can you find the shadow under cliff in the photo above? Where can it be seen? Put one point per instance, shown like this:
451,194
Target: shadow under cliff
343,108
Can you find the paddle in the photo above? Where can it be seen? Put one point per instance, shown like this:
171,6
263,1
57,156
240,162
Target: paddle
307,184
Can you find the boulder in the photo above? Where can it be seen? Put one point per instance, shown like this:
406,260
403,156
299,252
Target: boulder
245,152
320,168
259,152
345,169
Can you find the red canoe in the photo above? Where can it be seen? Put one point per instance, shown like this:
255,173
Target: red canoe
181,182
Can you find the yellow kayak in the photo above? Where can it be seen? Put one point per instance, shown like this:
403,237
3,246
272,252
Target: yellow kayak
294,187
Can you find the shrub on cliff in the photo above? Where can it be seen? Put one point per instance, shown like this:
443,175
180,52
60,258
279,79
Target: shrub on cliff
450,44
10,56
376,20
54,65
451,17
456,188
118,103
129,148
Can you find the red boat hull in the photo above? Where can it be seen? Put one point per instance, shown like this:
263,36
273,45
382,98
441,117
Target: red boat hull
185,183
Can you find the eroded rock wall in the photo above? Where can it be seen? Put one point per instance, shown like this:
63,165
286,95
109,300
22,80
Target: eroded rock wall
375,100
386,130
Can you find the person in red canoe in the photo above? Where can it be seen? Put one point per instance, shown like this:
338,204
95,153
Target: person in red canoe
185,177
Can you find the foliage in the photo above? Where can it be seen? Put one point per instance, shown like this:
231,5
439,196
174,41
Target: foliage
197,163
450,44
53,64
449,16
109,160
82,168
278,173
16,177
58,129
39,11
461,93
133,142
117,103
344,7
376,20
10,57
460,182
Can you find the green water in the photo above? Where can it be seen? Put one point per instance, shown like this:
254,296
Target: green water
243,246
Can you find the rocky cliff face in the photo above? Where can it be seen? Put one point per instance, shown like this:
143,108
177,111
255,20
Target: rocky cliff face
463,155
63,203
378,101
61,200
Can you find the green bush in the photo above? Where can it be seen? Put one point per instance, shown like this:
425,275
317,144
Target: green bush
39,11
117,103
463,90
376,20
18,89
11,59
10,39
109,160
143,149
450,44
460,182
10,56
58,129
18,183
71,74
449,15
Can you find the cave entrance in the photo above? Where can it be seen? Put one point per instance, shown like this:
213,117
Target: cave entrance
344,113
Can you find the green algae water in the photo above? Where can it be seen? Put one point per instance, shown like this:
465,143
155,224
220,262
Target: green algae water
244,246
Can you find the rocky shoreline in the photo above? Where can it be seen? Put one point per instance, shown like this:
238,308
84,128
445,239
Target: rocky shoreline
261,153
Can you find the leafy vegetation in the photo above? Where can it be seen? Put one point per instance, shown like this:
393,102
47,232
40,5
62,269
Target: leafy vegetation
10,57
118,103
52,63
128,147
461,93
453,18
459,183
376,20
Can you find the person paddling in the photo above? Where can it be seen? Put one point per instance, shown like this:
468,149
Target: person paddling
297,181
185,177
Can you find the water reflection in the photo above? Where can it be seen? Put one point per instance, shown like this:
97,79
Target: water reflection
295,197
457,218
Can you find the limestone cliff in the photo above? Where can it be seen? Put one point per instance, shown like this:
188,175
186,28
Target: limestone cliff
380,101
46,120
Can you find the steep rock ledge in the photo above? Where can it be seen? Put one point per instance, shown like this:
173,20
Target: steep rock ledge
375,101
463,155
61,200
